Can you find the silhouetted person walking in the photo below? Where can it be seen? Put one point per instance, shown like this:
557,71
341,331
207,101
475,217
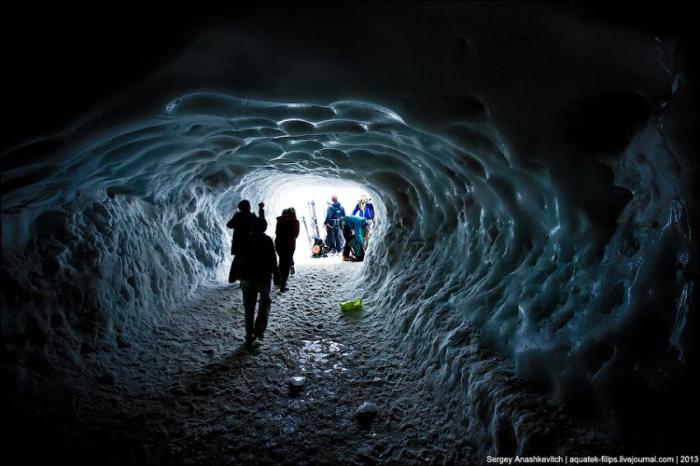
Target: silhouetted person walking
258,266
334,238
242,224
286,233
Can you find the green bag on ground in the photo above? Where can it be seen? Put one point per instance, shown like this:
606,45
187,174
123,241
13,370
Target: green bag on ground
354,305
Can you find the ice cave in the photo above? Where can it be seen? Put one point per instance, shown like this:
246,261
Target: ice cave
528,289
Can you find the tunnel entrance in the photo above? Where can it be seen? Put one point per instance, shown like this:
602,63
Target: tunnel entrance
310,197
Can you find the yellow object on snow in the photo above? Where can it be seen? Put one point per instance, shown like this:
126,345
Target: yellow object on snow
355,305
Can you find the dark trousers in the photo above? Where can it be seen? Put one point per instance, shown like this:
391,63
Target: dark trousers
347,250
334,240
286,261
251,289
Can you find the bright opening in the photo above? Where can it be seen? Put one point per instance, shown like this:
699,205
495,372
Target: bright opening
310,197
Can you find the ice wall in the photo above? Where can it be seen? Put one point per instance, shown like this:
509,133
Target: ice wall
582,284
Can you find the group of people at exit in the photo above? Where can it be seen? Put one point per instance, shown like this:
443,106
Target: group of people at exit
255,254
348,233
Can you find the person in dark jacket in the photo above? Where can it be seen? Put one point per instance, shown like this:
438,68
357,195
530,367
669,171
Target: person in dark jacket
335,212
348,234
242,224
365,209
286,233
258,266
354,231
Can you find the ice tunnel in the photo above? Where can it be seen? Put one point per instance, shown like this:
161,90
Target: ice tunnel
512,276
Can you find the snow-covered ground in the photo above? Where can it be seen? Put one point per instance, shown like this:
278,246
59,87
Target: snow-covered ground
191,393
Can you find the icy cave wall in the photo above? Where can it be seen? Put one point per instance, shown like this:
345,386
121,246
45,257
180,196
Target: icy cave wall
573,256
105,238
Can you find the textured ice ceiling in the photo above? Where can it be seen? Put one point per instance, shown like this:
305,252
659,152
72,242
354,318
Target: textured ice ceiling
538,196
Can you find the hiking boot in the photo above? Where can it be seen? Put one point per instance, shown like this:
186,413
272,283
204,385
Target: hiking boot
249,341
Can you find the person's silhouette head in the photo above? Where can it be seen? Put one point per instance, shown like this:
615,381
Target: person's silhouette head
244,206
260,226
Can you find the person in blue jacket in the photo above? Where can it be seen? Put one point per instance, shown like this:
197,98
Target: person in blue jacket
334,238
364,208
